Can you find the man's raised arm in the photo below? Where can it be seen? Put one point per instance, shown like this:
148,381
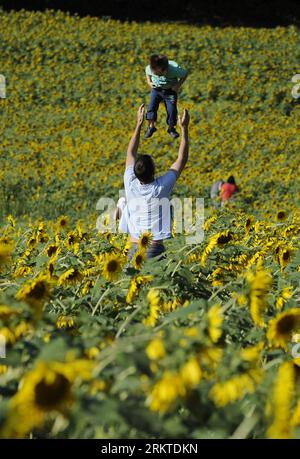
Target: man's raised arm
183,153
135,139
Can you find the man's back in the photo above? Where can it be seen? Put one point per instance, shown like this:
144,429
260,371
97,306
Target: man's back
148,206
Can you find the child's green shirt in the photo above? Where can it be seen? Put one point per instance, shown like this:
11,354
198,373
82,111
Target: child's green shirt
170,79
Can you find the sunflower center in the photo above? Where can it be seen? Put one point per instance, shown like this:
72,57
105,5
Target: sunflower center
139,259
38,291
224,239
286,325
112,266
49,396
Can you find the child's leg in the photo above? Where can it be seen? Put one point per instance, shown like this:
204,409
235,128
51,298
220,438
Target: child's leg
170,99
155,99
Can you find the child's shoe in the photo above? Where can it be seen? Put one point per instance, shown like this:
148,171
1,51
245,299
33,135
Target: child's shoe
173,133
150,131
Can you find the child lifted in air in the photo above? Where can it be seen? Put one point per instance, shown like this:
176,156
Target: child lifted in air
165,79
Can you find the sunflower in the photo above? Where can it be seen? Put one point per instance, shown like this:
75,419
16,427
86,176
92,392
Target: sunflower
65,322
6,312
215,320
166,391
36,292
281,216
3,369
70,277
235,388
285,256
135,284
44,390
285,295
220,240
282,398
248,224
62,222
259,283
112,266
145,240
139,258
5,252
52,250
282,327
154,299
156,349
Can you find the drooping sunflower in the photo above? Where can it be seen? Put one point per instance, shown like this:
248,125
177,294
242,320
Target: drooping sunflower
112,266
285,256
282,327
36,292
52,250
70,277
139,258
220,240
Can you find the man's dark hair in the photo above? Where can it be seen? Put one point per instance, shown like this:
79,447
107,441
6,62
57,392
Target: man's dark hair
159,62
144,168
231,180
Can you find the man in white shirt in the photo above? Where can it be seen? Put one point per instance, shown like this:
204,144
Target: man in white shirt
147,198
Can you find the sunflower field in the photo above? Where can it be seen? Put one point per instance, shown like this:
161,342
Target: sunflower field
202,344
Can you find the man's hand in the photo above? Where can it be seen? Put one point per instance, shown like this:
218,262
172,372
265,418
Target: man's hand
140,115
184,119
183,152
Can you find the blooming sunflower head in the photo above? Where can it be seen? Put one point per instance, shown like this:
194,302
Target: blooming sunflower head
145,240
44,390
224,238
62,222
281,216
283,326
112,266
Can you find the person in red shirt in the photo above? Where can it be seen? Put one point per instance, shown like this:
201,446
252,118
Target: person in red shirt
228,189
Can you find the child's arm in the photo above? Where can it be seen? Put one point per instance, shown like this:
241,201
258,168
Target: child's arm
149,81
179,83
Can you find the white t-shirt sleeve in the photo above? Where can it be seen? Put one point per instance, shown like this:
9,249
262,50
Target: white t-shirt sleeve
168,181
129,176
